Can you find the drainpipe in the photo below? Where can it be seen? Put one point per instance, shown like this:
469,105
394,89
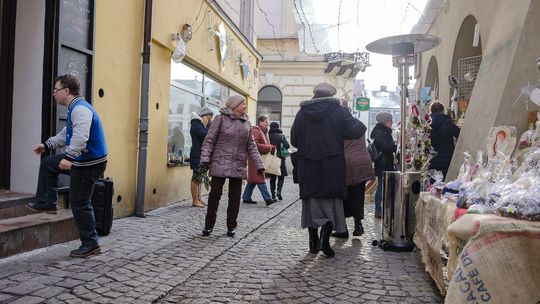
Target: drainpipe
143,116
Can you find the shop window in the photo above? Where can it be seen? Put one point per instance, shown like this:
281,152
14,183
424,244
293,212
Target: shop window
190,90
269,103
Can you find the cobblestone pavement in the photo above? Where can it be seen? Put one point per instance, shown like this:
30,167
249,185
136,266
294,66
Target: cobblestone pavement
163,258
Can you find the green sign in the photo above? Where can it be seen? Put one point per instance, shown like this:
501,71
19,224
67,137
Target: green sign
362,104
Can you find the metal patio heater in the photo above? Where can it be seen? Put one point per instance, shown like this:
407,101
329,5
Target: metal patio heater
401,189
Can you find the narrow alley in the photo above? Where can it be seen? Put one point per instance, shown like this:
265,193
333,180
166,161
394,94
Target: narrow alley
163,258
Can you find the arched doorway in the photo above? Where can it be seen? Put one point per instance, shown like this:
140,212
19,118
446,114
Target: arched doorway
466,62
269,102
432,77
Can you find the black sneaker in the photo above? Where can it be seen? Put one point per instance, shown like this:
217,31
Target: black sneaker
230,232
270,202
249,202
83,252
279,197
42,207
206,231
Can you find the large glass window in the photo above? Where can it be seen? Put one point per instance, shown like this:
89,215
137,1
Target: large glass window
190,89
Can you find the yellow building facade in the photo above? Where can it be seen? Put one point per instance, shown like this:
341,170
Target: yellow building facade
118,73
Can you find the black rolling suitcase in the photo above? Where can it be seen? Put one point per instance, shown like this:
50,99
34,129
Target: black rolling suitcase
102,204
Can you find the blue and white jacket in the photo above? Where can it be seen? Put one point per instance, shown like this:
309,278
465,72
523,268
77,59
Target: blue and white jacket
83,136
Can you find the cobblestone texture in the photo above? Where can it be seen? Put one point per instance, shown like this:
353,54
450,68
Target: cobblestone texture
163,258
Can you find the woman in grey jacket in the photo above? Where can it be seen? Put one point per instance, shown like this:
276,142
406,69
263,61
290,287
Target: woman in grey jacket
225,151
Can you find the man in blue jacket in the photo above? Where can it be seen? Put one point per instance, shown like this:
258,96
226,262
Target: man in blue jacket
84,159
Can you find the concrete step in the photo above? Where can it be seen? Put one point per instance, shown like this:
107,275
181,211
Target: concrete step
25,233
12,204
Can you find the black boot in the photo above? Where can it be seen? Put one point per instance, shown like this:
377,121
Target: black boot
358,228
278,195
341,235
313,240
324,242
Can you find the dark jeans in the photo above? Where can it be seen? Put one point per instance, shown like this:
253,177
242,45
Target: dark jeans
379,195
280,180
82,182
235,190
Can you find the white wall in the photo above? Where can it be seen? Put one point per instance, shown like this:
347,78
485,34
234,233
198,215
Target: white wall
27,94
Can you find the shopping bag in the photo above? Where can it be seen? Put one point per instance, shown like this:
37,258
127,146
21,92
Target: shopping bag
284,152
272,164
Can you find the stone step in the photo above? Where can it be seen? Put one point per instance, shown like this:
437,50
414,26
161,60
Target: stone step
12,204
25,233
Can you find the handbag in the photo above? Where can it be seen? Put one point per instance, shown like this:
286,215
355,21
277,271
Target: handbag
282,151
272,164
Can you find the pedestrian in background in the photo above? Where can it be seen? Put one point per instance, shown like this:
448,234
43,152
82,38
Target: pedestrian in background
260,136
200,123
84,160
359,171
225,152
443,135
277,139
318,132
384,142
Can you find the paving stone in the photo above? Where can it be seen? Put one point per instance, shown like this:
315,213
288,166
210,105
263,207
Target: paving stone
28,300
163,256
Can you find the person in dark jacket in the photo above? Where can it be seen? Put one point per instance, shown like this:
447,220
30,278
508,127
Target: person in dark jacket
319,130
200,123
443,135
277,139
383,141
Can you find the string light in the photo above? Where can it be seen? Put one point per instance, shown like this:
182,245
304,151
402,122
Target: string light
273,28
308,26
338,22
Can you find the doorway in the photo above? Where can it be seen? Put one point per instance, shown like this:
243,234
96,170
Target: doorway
8,11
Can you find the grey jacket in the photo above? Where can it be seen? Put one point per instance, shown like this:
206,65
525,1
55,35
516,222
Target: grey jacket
228,144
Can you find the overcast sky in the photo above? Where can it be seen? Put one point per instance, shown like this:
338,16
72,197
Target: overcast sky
376,19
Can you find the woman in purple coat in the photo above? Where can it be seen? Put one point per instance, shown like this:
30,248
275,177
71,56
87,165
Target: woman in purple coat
225,152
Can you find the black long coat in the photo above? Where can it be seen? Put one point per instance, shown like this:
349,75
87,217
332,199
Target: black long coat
382,138
198,133
276,139
443,133
318,132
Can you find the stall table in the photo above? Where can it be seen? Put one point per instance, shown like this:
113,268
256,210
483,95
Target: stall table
492,259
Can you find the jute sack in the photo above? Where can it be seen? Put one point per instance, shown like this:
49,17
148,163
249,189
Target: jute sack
432,220
499,264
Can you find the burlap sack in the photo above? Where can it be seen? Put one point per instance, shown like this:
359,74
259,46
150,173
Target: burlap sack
432,220
499,264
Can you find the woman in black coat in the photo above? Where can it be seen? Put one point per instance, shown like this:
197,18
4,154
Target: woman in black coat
277,139
318,132
385,145
443,135
200,123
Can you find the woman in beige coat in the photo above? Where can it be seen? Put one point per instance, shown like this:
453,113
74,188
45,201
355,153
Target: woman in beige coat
225,151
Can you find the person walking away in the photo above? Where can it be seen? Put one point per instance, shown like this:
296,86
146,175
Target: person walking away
260,136
319,130
383,141
444,133
277,139
84,160
199,128
225,152
359,171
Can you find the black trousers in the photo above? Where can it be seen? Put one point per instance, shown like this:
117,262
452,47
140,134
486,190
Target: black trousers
216,190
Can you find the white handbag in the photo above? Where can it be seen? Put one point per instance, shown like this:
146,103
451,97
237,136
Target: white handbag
272,163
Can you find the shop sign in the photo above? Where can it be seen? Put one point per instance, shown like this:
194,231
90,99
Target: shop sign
362,104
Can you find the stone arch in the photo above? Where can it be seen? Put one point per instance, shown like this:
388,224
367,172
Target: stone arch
463,47
432,76
269,102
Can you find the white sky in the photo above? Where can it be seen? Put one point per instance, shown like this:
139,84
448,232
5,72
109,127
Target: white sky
376,19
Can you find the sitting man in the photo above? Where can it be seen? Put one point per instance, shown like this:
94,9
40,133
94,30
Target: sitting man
85,160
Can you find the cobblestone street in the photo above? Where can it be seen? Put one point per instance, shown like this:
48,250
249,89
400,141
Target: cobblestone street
163,258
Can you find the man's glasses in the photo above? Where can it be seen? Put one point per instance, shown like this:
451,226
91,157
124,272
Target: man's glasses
57,89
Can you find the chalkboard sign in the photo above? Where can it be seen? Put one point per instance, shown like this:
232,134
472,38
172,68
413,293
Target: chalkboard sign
76,22
77,64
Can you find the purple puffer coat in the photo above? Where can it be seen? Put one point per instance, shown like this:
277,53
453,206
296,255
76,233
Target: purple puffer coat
227,145
359,167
